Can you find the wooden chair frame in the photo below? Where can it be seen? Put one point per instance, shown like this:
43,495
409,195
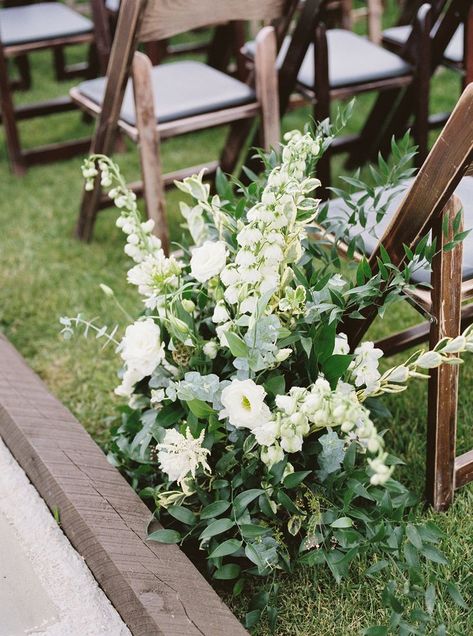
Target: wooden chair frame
21,159
142,21
429,200
395,109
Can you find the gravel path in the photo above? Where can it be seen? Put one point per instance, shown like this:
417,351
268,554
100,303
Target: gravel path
45,586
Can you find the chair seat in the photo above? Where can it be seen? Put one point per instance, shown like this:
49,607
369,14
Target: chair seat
112,5
453,53
41,21
181,89
352,59
464,191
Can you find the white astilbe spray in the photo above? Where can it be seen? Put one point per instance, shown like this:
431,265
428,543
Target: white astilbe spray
181,455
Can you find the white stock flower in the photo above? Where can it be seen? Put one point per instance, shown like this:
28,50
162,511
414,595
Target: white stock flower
243,402
179,455
220,313
266,433
341,345
208,260
142,350
365,365
272,455
210,349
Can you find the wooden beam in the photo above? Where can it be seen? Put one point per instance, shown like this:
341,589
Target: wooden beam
153,586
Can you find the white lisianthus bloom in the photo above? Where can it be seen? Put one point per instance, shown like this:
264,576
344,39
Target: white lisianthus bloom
141,349
210,349
429,360
208,260
243,402
179,455
220,313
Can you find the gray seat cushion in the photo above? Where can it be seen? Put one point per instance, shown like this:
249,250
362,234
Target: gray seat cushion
181,89
338,212
453,52
352,59
112,5
42,21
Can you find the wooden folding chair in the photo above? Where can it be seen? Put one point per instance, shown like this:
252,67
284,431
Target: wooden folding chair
395,110
33,27
458,54
431,201
325,65
176,98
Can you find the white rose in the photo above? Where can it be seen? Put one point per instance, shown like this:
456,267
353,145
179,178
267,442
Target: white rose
141,349
210,349
208,260
220,313
243,401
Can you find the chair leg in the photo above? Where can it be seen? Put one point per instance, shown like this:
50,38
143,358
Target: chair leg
443,383
422,82
238,135
148,146
23,64
266,81
322,103
12,137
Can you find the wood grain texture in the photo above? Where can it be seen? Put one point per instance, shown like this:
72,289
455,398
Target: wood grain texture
165,18
154,587
443,382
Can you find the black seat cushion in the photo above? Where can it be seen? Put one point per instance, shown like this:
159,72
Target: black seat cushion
352,59
181,89
41,21
338,212
453,52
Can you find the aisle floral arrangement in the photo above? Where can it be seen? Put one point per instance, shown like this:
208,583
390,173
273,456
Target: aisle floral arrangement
249,423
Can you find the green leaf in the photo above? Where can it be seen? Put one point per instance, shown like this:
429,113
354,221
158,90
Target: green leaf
251,618
377,567
286,501
200,409
214,509
165,536
335,367
182,514
227,572
455,593
251,531
237,346
376,630
433,554
169,415
430,597
343,522
243,500
216,527
294,479
414,536
275,385
230,546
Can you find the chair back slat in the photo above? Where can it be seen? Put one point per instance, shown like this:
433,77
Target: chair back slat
165,18
449,160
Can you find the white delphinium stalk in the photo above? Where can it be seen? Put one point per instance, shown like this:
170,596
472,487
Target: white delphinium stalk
181,455
270,239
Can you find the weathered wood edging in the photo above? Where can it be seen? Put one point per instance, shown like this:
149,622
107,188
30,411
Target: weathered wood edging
154,587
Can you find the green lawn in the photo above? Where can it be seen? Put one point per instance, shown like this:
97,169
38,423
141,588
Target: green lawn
46,273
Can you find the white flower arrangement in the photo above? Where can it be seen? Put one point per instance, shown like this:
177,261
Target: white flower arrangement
250,404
